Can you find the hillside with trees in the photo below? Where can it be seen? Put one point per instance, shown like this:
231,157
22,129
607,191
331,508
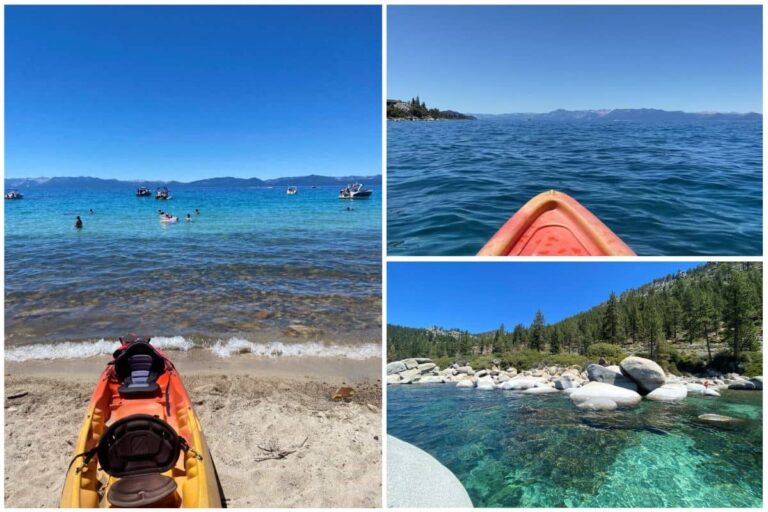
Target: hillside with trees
415,109
707,317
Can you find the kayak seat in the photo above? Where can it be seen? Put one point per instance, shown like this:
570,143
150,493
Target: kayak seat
138,449
141,490
137,369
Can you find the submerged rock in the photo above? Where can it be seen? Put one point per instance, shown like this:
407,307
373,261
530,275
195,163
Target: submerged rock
540,390
598,404
717,419
668,393
622,396
647,374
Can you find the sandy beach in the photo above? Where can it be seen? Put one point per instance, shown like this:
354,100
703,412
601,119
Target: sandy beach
244,402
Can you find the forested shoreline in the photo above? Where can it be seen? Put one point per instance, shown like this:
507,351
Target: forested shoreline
707,317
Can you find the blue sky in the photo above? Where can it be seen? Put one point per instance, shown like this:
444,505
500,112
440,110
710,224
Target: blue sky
192,92
480,296
497,59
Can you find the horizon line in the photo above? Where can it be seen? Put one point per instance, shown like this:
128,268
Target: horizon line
193,181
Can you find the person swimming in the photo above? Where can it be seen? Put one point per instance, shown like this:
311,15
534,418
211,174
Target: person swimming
90,211
189,217
197,211
78,223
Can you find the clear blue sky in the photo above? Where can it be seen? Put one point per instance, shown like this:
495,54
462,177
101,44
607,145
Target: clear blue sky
479,296
192,92
497,59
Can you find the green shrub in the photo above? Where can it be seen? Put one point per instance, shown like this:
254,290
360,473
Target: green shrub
612,353
443,361
748,363
480,362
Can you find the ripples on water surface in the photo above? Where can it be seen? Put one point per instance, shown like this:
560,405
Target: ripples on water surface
665,189
512,450
302,259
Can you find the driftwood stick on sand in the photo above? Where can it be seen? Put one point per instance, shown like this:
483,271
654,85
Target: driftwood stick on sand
273,451
18,395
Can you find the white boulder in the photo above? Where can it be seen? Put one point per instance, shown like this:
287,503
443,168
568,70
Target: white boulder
646,373
668,393
623,397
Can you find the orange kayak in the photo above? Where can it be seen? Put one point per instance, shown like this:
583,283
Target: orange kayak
555,224
141,444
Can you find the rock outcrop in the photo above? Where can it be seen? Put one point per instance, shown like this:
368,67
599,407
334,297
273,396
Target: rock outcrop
646,373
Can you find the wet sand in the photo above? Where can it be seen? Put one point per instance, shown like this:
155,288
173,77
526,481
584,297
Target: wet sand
243,401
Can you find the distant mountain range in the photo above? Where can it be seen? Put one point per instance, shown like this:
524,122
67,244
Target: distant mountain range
99,183
626,114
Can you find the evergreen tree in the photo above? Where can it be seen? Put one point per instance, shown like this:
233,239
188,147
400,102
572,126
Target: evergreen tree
708,322
611,320
538,341
739,310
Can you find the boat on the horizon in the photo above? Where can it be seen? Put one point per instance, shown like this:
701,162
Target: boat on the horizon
355,191
143,192
162,193
14,194
292,191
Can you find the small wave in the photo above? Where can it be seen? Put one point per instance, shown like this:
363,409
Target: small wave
80,350
232,346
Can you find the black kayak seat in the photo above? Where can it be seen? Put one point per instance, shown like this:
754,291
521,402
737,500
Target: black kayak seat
138,449
138,368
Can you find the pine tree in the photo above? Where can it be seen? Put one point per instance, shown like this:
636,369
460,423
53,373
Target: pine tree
554,340
739,311
519,336
611,320
537,340
708,322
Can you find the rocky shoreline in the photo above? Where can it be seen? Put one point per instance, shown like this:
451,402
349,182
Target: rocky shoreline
599,387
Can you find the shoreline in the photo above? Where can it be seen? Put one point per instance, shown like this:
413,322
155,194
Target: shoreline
243,401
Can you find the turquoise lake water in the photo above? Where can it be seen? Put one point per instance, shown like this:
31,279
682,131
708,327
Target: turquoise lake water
302,259
670,189
513,450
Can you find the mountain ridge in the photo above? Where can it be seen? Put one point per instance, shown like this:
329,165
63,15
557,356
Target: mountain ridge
219,182
624,114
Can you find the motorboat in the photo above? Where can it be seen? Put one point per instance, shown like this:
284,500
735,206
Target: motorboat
143,192
355,191
14,194
292,191
162,193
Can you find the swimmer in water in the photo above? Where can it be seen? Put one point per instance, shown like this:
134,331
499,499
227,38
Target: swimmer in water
197,211
90,211
189,217
78,223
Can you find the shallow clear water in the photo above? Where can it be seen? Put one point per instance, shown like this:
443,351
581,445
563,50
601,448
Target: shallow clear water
665,189
513,450
302,259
